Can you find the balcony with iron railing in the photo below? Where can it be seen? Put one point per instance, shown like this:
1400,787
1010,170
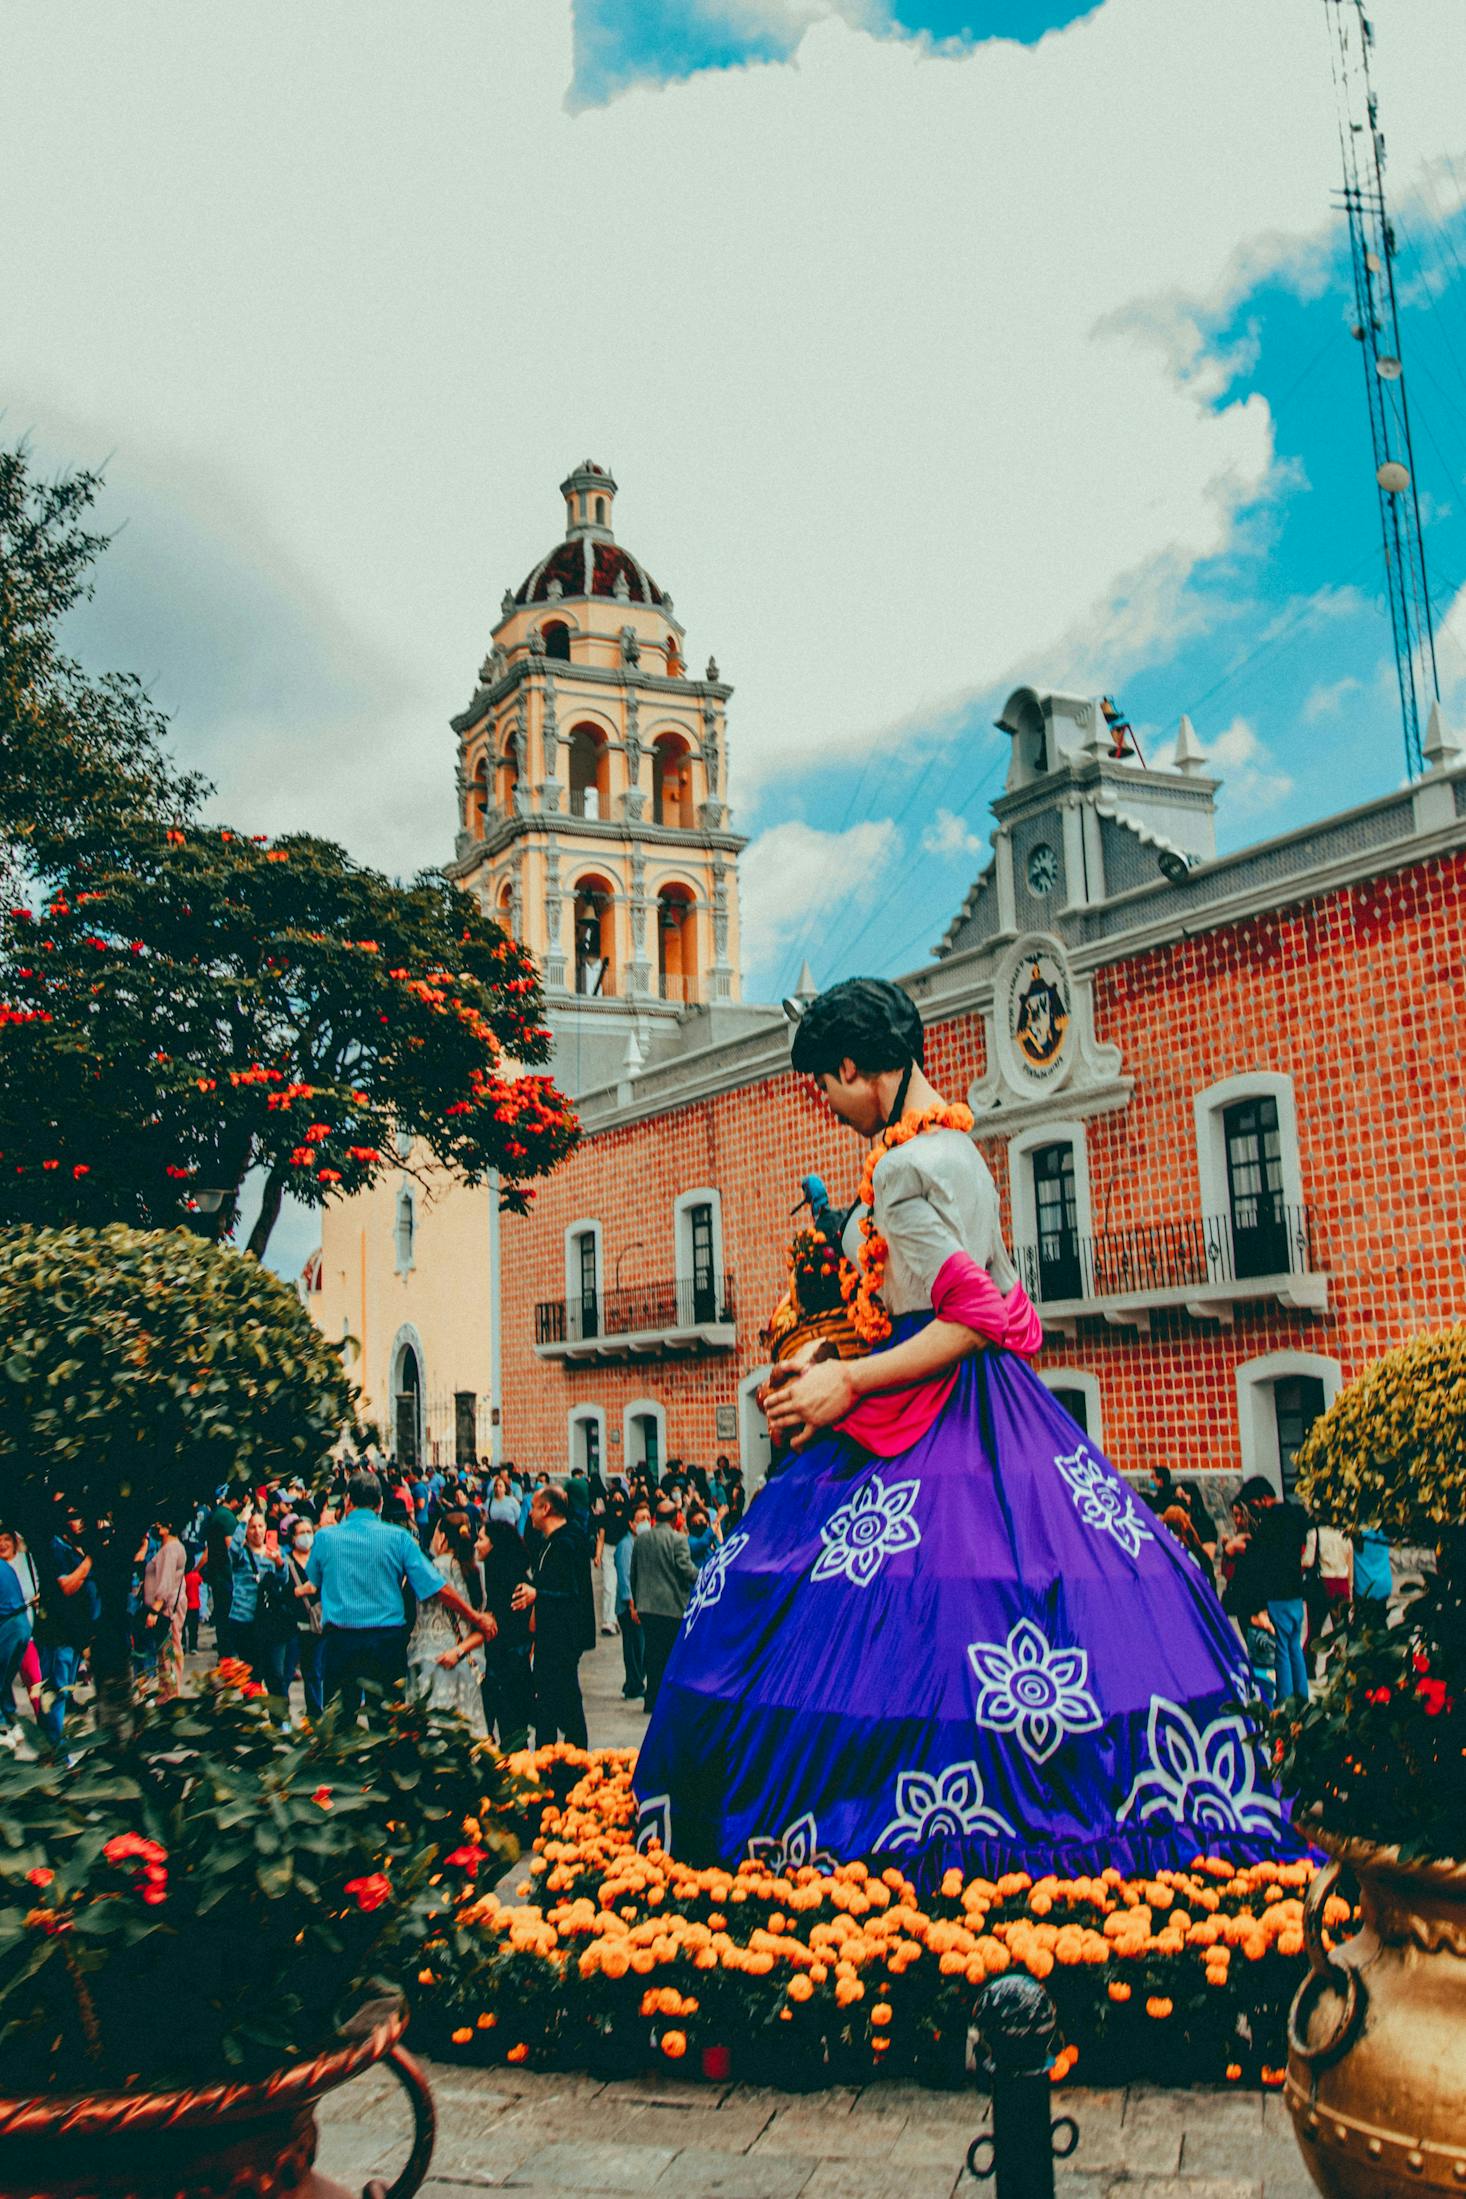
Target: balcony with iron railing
1204,1265
690,1314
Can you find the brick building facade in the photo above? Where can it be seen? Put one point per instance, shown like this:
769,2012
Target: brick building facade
1221,1097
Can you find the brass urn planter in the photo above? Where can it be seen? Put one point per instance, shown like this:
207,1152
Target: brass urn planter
224,2141
1376,2080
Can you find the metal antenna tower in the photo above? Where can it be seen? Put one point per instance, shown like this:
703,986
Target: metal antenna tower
1377,329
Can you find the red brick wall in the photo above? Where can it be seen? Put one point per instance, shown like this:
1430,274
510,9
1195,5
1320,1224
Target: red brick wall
1355,995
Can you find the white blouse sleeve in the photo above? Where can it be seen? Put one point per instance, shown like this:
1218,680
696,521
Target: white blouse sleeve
911,1224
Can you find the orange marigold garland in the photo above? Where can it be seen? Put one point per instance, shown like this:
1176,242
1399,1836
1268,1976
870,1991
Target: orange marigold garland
868,1317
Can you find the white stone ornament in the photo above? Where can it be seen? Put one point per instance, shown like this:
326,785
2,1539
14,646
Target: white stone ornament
1205,1778
930,1803
1102,1500
708,1586
862,1534
1032,1689
796,1848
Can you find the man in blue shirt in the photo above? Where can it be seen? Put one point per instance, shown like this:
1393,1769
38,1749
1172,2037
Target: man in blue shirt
360,1568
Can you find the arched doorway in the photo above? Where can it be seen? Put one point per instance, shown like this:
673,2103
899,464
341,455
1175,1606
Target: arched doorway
676,944
590,789
595,971
672,782
407,1408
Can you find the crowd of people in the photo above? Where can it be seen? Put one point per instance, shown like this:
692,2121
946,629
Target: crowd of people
482,1586
1288,1583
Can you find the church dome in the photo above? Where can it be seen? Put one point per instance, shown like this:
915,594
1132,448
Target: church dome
586,567
589,562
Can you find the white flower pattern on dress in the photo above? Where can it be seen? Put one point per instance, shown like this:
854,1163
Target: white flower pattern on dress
930,1803
708,1586
1207,1779
797,1848
1031,1688
654,1822
863,1533
1102,1500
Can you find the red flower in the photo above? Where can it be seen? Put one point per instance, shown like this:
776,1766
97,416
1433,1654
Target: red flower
1420,1662
465,1859
1377,1695
1433,1695
370,1892
122,1847
81,1169
322,1798
40,1876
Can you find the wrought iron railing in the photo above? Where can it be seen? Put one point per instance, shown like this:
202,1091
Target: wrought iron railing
1262,1239
695,1301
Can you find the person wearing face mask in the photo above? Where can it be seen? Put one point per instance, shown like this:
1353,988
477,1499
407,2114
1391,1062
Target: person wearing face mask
633,1645
304,1648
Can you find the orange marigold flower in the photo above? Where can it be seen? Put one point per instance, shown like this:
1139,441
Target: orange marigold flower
518,2053
674,2045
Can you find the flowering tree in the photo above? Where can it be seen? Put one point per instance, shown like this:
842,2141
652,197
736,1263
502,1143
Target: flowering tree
217,1004
180,1004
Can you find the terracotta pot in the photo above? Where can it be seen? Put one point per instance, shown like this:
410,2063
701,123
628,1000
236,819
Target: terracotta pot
1377,2031
224,2141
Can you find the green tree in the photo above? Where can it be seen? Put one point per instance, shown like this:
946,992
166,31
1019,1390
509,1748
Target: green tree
81,759
140,1370
216,1004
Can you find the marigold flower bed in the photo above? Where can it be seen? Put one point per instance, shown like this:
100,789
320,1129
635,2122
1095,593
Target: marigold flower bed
608,1958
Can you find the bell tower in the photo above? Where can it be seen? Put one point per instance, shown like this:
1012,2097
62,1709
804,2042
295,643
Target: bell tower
592,774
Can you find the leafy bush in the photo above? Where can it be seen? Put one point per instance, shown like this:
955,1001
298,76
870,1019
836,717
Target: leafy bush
1390,1452
140,1369
213,1896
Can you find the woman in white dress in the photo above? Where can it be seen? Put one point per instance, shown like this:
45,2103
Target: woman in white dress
445,1660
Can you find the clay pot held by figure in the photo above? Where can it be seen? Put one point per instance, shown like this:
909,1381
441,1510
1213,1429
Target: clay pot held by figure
1377,2033
224,2141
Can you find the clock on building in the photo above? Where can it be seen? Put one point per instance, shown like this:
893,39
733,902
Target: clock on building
1043,869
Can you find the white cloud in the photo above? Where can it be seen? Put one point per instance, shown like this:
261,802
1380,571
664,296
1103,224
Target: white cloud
1253,782
794,876
348,288
949,834
1323,700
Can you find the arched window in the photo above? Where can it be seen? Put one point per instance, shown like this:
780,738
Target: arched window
672,782
600,511
595,937
589,773
676,944
479,799
406,1231
586,1430
675,665
504,913
509,775
557,640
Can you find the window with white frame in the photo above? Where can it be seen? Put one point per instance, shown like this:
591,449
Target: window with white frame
584,1280
644,1436
698,1220
1250,1174
586,1444
1079,1394
1279,1396
1048,1197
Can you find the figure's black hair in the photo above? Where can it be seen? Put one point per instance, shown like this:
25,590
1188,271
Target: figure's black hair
867,1020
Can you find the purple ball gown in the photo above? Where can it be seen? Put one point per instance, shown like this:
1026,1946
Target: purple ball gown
984,1654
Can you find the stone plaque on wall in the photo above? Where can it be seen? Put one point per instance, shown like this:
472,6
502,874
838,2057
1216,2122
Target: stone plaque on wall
727,1423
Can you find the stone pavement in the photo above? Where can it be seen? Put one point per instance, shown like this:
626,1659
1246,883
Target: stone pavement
543,2136
540,2135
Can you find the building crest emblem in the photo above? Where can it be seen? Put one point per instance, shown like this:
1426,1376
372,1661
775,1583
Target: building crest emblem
1038,1012
1042,1052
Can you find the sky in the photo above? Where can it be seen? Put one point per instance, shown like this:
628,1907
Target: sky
936,346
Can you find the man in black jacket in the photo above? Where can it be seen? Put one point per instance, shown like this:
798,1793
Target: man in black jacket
558,1593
